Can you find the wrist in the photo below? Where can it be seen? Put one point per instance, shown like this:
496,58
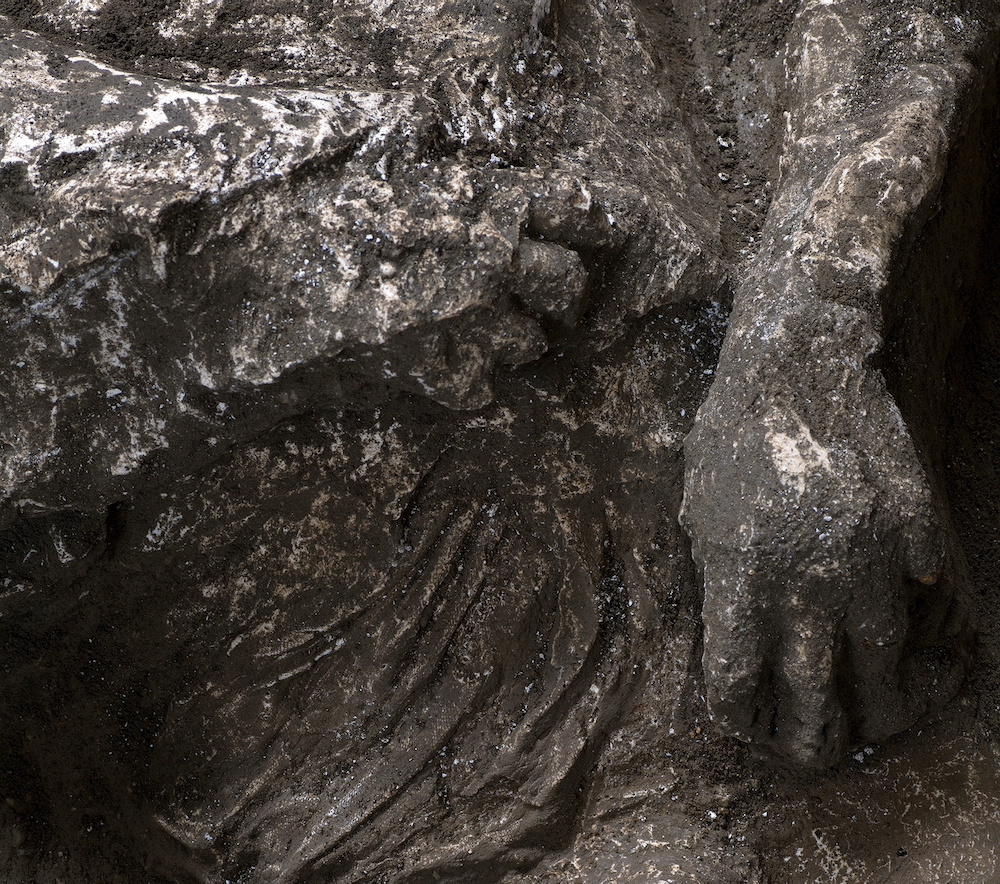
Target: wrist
794,338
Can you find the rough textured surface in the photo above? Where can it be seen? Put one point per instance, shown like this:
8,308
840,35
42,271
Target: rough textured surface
349,354
811,514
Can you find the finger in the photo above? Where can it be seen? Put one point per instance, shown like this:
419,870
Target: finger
911,510
877,616
551,281
810,725
877,638
566,211
737,653
888,620
903,656
940,607
923,545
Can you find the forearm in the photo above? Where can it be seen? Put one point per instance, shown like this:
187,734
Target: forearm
861,169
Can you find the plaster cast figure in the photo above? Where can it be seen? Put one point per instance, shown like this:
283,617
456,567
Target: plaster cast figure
350,352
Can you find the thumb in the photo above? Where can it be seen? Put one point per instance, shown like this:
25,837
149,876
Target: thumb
923,541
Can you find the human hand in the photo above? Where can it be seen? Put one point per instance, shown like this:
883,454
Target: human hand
833,612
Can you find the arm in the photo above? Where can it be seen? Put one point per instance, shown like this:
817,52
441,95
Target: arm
810,513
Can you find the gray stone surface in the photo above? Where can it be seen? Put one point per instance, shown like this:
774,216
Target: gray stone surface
349,352
810,511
